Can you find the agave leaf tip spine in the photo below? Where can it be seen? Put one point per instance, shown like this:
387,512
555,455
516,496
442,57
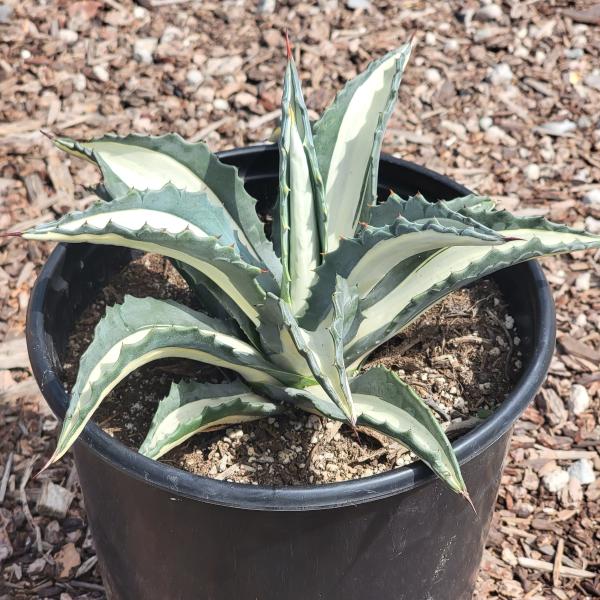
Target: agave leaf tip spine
468,498
48,134
288,45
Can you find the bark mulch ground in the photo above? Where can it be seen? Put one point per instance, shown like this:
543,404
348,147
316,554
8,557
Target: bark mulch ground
503,97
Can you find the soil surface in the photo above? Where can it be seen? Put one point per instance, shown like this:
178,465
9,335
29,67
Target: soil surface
461,356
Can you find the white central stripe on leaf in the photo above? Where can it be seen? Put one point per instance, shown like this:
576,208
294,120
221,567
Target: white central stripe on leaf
135,219
375,409
436,270
353,149
188,412
244,350
304,243
385,255
145,169
229,287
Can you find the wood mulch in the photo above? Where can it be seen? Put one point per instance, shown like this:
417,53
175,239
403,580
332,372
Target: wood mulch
505,99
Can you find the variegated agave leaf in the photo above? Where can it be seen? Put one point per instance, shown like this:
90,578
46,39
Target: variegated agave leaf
193,407
378,257
140,331
348,141
472,201
301,209
276,339
388,405
453,267
183,229
418,209
215,303
150,163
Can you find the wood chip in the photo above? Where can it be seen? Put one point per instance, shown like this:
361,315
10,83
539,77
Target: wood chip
54,500
590,16
579,349
66,560
558,562
13,354
5,475
548,567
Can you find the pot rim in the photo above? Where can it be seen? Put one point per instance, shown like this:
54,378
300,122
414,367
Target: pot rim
293,498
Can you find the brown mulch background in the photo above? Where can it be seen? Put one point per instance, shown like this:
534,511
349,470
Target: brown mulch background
504,98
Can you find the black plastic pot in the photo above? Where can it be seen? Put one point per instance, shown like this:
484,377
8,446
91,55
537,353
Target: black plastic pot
164,534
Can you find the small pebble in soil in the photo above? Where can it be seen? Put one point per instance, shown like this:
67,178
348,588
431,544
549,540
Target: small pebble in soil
532,172
433,76
485,123
266,7
491,12
358,4
592,225
579,399
143,50
583,471
501,74
68,36
494,135
592,198
557,128
194,77
583,281
79,82
556,480
100,73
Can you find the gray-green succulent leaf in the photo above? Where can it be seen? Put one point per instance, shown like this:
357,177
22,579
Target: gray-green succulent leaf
379,257
301,205
417,209
193,407
170,222
472,201
142,330
151,162
387,404
453,267
348,141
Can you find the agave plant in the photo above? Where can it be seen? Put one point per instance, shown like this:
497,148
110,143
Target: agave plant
295,316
